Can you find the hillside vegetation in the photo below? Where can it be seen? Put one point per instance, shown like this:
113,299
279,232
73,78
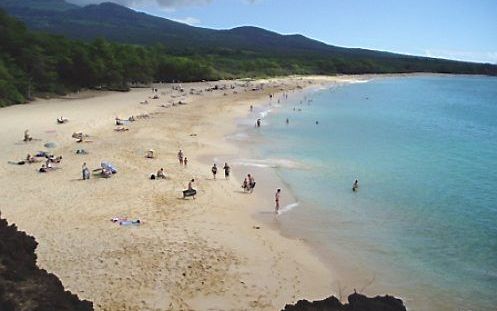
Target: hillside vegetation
113,47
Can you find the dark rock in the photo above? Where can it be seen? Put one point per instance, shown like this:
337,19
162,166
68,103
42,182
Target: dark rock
23,285
357,302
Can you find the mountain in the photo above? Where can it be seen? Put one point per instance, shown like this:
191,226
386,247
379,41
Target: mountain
43,5
121,24
108,46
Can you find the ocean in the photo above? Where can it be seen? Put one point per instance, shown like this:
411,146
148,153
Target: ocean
423,224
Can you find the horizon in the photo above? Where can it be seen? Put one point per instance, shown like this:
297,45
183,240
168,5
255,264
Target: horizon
439,34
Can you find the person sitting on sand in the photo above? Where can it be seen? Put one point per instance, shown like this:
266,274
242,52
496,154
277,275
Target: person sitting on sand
131,119
43,169
161,174
355,186
150,154
119,121
61,120
27,137
79,136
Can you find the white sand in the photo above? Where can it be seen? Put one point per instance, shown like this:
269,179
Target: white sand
201,254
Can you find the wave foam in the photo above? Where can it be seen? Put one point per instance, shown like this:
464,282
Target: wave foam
273,163
288,208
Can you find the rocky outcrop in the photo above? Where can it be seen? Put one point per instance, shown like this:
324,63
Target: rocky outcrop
357,302
24,286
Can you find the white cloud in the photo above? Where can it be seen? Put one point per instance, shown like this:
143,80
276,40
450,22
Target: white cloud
192,21
472,56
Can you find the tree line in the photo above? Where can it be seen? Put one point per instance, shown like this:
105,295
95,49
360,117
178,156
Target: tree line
37,64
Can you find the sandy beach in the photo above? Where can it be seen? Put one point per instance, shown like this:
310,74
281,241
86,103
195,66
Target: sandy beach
204,254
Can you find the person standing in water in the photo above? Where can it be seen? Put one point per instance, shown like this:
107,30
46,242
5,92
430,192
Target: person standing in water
287,121
355,186
277,200
227,169
214,170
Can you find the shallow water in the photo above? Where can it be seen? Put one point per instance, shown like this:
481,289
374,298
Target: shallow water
423,224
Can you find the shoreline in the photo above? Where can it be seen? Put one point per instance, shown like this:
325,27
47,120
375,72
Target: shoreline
267,268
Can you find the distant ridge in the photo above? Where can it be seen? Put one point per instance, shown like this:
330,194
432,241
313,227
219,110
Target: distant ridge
121,24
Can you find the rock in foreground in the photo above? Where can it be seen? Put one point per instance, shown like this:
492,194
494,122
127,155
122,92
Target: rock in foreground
357,302
24,286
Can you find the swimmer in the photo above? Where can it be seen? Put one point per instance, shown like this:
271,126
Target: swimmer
355,186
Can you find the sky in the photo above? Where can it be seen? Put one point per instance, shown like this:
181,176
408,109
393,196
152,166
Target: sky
453,29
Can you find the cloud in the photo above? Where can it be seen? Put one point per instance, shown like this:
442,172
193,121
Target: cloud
192,21
472,56
167,4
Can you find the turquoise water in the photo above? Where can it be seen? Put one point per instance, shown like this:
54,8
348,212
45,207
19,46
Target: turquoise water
423,225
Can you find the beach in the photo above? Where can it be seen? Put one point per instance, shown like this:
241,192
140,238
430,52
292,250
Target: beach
207,253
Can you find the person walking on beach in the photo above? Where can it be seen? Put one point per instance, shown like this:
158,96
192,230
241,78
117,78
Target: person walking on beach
85,171
214,170
227,169
258,123
180,157
277,200
251,181
185,161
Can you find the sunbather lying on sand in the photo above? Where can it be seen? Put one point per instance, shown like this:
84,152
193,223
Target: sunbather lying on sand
105,173
121,129
29,160
53,159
